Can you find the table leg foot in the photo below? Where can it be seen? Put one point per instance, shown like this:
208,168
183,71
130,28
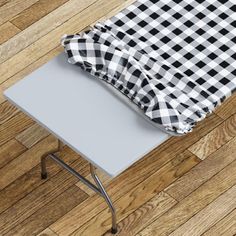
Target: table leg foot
114,231
44,175
98,188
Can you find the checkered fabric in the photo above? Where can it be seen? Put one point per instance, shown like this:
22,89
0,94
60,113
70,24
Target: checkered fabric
175,59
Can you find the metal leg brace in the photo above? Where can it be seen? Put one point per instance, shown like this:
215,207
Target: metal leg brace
98,188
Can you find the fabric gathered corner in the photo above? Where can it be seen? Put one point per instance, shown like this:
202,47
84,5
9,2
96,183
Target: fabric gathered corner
156,65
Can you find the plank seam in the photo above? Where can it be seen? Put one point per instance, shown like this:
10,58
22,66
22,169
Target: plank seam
43,182
47,33
205,207
210,132
218,221
192,193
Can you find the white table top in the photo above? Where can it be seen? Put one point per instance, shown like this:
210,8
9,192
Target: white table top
85,115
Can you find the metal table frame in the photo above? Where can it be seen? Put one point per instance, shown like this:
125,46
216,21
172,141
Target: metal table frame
97,187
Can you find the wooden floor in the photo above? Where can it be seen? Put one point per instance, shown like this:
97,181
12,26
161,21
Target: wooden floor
187,186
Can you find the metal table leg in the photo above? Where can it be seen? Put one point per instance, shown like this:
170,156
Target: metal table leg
98,188
45,155
106,197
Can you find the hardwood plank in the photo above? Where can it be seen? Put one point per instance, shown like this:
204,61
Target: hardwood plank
102,176
215,139
27,183
39,197
31,180
91,220
7,31
9,151
3,2
203,171
225,227
32,135
13,126
139,172
7,111
41,28
213,120
47,232
29,69
54,210
129,222
210,215
227,108
36,50
12,8
35,12
166,154
25,162
193,203
144,215
114,11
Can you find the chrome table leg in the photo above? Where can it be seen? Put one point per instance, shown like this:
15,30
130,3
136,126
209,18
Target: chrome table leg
44,157
98,188
106,197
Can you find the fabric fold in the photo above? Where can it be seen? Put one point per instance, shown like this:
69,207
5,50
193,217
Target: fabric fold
120,68
168,96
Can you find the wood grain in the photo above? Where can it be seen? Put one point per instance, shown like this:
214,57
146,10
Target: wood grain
193,203
225,227
35,12
25,162
32,135
54,210
13,126
114,11
92,220
144,215
52,39
12,8
215,139
31,180
203,171
42,27
3,2
207,217
145,205
30,68
138,173
10,151
41,196
7,31
7,111
47,232
227,108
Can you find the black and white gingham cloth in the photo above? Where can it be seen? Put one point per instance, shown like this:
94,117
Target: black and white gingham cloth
175,59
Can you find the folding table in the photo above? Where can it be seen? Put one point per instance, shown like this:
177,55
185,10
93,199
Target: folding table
101,127
175,60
